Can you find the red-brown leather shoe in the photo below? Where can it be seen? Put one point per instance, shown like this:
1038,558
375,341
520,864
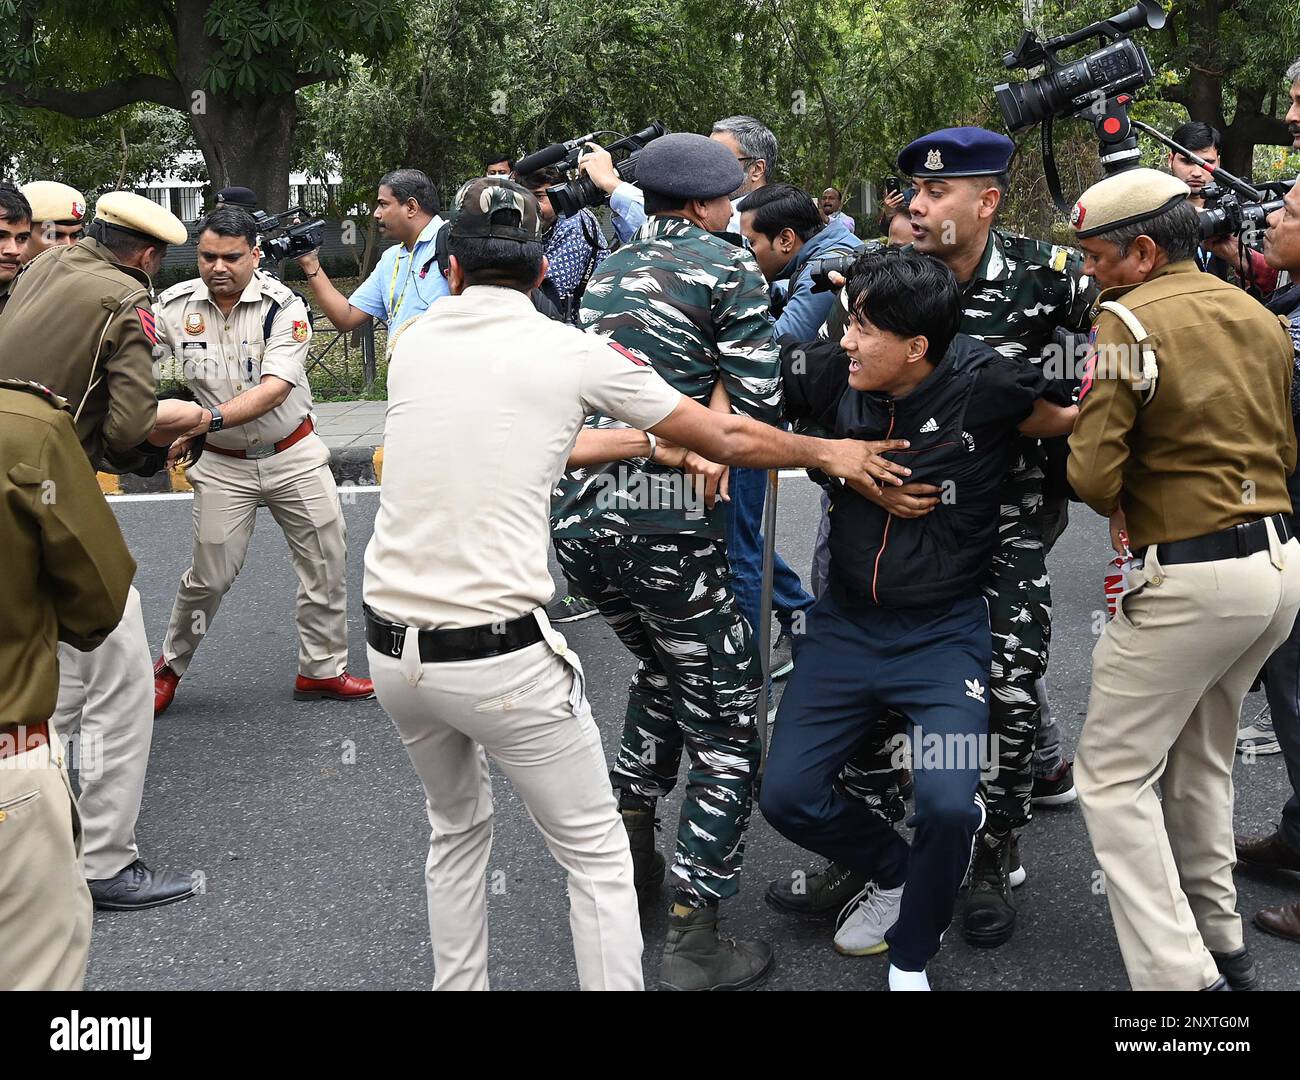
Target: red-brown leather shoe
1283,921
164,686
1267,852
343,687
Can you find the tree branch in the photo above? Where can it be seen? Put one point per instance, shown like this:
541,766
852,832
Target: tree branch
83,104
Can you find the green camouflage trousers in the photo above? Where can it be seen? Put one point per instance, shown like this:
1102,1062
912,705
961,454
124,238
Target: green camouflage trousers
669,600
1019,595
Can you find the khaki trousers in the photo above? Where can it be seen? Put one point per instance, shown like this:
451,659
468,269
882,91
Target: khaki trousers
107,695
45,908
1169,675
298,488
528,711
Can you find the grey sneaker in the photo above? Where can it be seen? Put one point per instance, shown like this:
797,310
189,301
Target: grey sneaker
782,655
569,608
1259,737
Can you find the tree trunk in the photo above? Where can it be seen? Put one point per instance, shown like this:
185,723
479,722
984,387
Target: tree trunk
249,143
246,140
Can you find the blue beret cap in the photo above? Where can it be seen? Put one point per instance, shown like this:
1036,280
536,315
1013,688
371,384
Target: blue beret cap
688,166
958,151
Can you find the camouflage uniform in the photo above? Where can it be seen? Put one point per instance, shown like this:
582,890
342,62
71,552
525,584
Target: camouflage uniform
632,537
1022,291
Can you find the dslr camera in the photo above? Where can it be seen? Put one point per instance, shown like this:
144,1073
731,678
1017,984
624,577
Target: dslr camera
301,233
1227,213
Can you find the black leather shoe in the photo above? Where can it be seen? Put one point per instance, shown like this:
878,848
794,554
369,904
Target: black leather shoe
139,887
989,917
1238,968
815,893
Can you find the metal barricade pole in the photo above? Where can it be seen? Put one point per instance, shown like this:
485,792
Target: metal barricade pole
765,611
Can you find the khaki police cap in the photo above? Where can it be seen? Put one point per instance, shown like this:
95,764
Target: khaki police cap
52,201
1125,199
133,212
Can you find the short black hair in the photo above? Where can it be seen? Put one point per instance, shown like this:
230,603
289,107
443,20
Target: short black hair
124,243
412,184
1196,135
782,206
907,293
230,220
658,203
487,260
542,178
490,158
13,204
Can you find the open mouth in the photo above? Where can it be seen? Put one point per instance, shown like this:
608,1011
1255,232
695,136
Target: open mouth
854,366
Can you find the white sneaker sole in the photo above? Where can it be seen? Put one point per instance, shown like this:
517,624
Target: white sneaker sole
1061,798
869,950
783,670
1260,749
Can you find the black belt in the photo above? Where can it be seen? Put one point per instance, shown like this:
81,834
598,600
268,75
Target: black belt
461,643
1233,543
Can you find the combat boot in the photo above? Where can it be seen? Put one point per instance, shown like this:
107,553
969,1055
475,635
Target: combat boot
989,917
647,863
696,957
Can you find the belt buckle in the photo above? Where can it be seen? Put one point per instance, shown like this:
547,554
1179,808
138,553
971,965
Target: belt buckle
263,451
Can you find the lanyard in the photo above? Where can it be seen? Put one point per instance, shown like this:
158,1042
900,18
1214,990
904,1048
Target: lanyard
392,288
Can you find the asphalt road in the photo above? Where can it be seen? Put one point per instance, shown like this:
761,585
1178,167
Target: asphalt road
307,824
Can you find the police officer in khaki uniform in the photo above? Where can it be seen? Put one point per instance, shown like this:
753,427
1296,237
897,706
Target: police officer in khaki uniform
464,659
67,574
240,339
58,216
80,321
1184,440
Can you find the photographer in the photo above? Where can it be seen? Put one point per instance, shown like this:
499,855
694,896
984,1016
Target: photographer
407,279
750,141
1281,849
575,247
1223,256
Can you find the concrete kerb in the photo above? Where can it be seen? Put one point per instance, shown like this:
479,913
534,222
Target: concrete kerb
359,465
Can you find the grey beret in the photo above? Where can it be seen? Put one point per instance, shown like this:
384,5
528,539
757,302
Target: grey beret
688,166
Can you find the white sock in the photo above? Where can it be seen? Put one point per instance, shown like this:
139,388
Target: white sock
907,980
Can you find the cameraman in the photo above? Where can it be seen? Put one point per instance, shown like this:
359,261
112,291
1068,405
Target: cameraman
1281,849
750,141
576,246
406,280
1222,257
784,230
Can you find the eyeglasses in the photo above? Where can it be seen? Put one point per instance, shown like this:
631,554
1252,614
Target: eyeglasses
747,161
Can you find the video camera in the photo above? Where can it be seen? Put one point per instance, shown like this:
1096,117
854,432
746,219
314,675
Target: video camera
570,197
300,235
1071,89
1226,213
821,269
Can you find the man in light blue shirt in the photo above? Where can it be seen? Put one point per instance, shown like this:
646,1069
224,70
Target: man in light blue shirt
407,278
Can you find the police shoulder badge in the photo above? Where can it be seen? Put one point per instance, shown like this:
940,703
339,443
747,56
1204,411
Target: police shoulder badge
299,330
934,160
194,323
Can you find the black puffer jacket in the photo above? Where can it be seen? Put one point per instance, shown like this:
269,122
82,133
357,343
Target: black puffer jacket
962,425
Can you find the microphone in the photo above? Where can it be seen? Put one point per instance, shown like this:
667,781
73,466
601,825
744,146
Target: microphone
539,159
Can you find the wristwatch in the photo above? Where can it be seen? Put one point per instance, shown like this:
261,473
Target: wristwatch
218,421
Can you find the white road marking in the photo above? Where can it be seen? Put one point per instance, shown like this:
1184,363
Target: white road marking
354,489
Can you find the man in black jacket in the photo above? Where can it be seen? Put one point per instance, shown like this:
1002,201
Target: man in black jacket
902,624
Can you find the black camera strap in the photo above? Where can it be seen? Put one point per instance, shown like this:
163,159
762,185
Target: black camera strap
1051,170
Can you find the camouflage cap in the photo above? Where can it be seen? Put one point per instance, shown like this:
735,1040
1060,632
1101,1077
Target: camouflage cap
497,207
